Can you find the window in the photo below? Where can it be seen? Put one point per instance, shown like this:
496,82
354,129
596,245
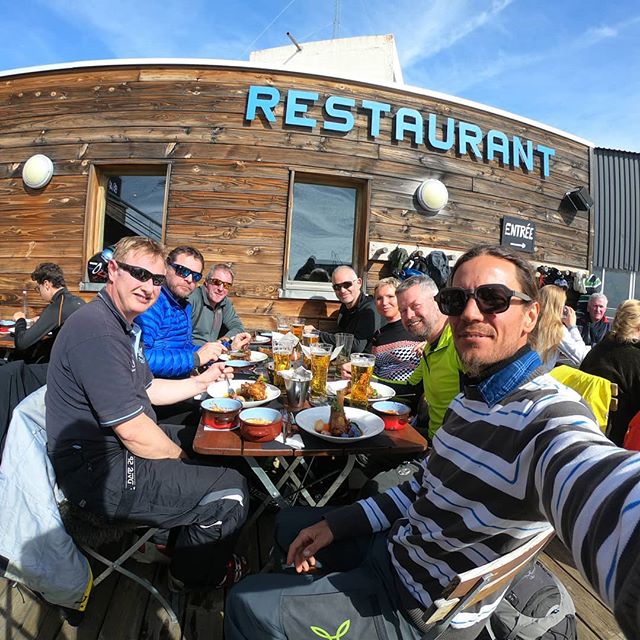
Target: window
125,200
326,228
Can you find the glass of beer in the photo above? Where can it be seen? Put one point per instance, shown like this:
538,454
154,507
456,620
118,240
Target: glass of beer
281,362
297,327
282,324
320,357
309,338
361,371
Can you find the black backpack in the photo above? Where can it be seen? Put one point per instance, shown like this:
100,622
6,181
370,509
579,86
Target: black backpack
536,606
437,268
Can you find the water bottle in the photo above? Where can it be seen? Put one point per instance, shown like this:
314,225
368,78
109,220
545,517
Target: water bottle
25,303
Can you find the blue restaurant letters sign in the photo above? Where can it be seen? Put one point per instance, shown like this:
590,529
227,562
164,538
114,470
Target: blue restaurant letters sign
518,234
465,138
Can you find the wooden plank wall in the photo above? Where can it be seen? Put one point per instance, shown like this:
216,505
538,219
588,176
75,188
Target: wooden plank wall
229,178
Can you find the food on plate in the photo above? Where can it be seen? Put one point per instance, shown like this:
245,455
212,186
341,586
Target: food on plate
372,394
241,354
251,391
258,421
338,425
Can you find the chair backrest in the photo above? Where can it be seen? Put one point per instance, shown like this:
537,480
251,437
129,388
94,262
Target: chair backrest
599,393
467,588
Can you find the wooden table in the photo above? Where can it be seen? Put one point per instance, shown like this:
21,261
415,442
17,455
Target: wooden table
229,443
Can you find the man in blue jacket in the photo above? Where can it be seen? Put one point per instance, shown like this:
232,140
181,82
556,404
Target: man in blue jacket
166,326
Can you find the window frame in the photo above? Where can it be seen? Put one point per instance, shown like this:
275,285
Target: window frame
95,205
305,289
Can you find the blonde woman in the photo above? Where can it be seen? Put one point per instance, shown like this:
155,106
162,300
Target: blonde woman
556,335
617,358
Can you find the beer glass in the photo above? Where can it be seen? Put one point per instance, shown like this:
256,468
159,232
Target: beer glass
309,338
282,324
281,361
320,357
361,371
297,327
346,340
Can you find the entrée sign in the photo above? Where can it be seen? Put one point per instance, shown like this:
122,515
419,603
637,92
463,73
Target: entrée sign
465,137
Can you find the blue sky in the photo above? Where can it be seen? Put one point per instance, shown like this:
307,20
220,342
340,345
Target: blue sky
571,64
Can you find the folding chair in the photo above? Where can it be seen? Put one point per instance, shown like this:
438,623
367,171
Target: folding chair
82,526
467,588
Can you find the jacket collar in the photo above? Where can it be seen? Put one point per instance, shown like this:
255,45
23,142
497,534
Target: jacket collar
501,378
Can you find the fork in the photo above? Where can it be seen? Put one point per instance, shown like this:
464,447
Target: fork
230,391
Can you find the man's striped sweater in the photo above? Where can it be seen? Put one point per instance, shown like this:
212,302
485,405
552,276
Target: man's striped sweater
515,453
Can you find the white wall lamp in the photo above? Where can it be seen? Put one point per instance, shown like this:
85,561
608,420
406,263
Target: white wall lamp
432,195
37,171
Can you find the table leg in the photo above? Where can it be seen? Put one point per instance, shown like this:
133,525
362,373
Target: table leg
273,490
342,476
294,478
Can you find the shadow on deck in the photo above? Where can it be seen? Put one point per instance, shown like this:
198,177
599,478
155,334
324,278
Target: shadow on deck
120,609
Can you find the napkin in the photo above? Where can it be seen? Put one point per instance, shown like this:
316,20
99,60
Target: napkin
287,339
294,441
334,354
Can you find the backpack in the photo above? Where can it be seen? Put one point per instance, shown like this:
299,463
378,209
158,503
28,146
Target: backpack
536,606
438,269
396,260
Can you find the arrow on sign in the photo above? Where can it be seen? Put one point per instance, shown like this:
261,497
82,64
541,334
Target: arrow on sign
517,244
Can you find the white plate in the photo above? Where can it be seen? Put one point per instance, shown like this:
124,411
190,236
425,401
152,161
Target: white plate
266,334
384,392
261,339
256,356
219,390
370,424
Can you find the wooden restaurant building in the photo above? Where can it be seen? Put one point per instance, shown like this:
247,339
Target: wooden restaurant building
281,173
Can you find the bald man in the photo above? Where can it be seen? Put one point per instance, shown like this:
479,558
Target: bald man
357,314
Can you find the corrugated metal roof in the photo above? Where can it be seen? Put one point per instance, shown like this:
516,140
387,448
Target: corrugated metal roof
616,193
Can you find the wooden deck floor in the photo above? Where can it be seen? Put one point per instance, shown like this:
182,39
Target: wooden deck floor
121,610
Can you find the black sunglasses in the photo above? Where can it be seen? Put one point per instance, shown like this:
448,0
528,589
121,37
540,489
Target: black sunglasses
342,285
185,272
490,298
220,283
142,274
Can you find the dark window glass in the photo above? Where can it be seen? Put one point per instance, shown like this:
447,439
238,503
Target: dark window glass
322,230
134,206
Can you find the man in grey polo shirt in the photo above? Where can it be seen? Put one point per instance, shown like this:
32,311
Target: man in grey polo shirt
109,454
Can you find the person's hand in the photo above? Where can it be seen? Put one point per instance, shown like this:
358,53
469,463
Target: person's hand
308,328
216,371
210,351
419,348
308,542
240,340
18,315
569,317
345,371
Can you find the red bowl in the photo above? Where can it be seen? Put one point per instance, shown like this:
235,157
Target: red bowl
220,413
260,424
395,415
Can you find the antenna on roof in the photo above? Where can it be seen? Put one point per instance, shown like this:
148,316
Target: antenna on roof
336,19
298,47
